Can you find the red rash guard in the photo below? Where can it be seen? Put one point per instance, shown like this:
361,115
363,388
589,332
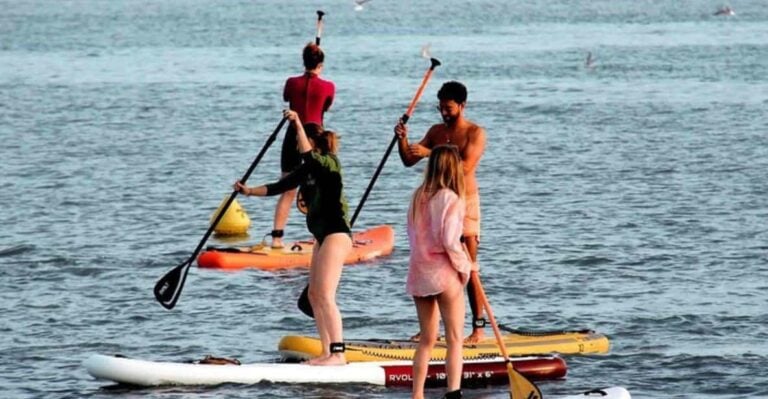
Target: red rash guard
310,96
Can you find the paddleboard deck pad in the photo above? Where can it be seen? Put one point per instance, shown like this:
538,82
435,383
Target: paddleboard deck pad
366,245
476,373
518,343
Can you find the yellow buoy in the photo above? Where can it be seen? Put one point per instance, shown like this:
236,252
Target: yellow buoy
234,222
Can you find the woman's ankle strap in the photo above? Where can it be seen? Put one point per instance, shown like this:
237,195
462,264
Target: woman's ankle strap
337,347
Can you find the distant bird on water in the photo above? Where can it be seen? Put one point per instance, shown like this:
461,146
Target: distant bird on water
359,4
725,11
425,53
590,61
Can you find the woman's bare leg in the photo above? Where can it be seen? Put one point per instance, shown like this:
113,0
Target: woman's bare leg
324,277
452,311
322,332
282,210
429,324
473,293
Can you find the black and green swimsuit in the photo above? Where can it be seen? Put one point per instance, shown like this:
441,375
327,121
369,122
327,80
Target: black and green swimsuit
319,181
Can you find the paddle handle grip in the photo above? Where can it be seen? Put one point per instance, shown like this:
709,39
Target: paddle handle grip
320,14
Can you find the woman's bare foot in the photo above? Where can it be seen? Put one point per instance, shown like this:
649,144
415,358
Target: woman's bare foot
308,362
417,337
334,359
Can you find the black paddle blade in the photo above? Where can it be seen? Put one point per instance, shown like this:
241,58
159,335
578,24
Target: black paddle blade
304,304
168,288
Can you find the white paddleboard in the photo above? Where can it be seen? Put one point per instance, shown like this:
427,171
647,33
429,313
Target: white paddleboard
149,373
491,371
391,373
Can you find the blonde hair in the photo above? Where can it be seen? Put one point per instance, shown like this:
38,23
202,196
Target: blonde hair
444,170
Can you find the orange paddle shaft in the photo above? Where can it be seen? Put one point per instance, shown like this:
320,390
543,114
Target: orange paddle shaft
427,76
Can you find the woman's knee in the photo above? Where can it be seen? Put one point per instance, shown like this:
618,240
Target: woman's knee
454,333
320,297
427,340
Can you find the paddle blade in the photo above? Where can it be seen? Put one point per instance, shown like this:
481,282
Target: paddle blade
304,304
168,289
521,387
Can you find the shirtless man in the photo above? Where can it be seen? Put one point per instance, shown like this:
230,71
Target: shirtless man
470,139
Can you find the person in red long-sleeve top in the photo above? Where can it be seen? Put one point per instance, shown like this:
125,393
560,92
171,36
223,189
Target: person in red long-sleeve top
310,97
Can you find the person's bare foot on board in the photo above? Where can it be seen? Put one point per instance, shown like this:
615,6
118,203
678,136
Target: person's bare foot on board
334,359
476,336
417,337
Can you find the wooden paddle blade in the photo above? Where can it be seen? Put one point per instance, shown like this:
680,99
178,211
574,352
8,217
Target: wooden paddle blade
521,387
168,289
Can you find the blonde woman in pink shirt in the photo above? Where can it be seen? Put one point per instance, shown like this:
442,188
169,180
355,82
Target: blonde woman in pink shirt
439,266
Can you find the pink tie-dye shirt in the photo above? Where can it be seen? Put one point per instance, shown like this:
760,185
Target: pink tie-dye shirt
438,258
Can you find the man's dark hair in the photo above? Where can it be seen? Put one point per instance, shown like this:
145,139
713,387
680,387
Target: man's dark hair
453,90
313,56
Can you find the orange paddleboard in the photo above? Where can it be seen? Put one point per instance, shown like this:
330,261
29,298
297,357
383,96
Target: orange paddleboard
366,245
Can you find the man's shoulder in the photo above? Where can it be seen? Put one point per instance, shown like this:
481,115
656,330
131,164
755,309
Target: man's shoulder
474,130
474,127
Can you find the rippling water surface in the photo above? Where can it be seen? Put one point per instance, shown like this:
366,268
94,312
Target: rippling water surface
630,198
